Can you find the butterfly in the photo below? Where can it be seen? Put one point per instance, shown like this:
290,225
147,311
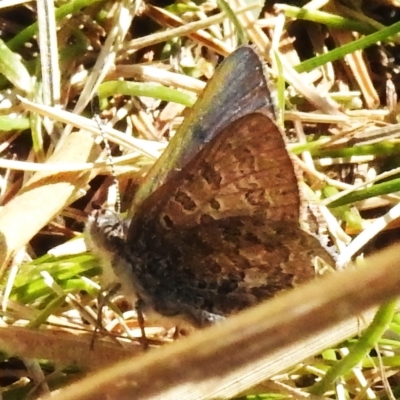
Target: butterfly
221,232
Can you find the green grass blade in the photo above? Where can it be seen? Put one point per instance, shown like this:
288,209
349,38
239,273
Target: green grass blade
340,52
111,88
366,342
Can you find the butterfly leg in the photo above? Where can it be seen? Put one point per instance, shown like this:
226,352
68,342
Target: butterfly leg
102,299
139,311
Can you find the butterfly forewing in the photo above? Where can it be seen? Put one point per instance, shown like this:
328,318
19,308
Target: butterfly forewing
245,170
238,87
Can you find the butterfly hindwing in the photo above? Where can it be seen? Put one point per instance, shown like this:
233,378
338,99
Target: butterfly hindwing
222,267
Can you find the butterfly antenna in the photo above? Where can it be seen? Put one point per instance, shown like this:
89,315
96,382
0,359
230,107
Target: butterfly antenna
95,105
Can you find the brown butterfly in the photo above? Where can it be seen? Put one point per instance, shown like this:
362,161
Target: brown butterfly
222,233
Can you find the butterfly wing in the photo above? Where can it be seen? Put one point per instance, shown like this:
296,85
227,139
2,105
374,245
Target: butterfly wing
245,170
232,93
223,233
222,267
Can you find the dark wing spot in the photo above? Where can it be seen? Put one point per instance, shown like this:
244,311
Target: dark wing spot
206,219
168,223
202,284
252,238
185,200
213,266
215,204
211,177
255,197
227,286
